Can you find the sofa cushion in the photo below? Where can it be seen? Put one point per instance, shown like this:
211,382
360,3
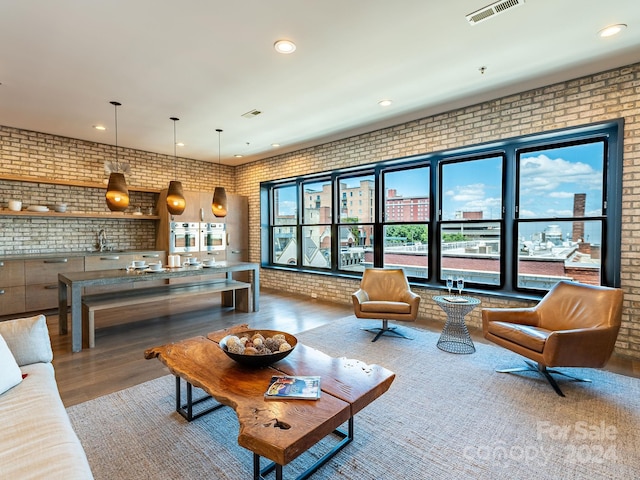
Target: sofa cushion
10,374
37,440
28,339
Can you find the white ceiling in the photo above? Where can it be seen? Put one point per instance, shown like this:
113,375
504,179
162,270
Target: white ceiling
210,61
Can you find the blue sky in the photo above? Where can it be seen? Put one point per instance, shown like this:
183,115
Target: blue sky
548,181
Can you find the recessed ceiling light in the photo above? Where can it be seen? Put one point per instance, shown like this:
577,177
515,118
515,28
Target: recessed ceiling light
100,127
237,155
275,145
284,46
612,30
385,103
179,144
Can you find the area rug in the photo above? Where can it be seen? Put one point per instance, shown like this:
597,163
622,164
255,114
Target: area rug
446,416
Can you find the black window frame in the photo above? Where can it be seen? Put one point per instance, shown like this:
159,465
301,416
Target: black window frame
612,132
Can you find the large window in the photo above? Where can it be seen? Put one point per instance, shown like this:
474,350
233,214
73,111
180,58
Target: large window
406,220
513,216
560,224
317,219
356,212
284,225
471,219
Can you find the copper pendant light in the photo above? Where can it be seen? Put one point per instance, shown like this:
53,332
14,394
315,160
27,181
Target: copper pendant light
176,202
219,203
117,195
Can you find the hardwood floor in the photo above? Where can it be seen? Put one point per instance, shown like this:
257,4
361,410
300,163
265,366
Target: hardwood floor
117,361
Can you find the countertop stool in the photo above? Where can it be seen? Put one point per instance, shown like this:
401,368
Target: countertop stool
455,336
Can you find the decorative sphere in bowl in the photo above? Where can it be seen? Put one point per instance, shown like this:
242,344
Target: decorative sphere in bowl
258,348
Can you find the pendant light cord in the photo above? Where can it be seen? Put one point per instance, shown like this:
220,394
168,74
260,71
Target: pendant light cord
115,108
219,162
175,155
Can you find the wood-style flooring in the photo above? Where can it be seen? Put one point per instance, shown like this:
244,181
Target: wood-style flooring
117,361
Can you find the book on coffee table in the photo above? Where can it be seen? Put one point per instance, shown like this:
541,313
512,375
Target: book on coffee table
283,387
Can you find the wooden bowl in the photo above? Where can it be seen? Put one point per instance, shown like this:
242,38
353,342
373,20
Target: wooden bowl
259,360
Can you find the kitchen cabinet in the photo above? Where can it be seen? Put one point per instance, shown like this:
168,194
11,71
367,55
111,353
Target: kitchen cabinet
197,209
41,280
205,208
237,233
191,211
30,284
12,289
105,261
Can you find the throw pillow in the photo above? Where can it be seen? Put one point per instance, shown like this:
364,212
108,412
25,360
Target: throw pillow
10,374
28,339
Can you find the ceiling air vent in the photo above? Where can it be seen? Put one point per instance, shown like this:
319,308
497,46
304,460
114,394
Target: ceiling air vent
251,113
492,10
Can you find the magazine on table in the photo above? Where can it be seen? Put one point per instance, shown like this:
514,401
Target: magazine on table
283,387
452,299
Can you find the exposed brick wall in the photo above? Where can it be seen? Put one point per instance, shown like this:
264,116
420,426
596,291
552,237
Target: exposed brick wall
33,154
605,96
36,154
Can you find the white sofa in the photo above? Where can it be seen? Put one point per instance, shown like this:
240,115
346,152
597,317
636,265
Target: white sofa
37,440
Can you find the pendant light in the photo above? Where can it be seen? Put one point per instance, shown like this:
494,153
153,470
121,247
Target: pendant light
117,194
219,203
175,198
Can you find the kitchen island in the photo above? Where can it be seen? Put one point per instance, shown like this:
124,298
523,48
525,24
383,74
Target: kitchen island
73,283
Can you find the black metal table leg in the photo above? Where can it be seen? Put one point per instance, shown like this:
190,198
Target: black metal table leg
186,410
345,439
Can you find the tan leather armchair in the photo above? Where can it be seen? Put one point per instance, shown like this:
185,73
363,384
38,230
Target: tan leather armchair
385,295
574,325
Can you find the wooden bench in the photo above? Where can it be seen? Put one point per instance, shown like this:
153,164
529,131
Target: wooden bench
234,294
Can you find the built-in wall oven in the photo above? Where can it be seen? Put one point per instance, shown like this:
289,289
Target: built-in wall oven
184,237
213,237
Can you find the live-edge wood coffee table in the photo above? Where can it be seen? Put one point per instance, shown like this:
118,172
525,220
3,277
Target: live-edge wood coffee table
279,430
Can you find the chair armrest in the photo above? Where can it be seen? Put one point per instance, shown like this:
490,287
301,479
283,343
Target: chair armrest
413,299
580,347
359,297
519,316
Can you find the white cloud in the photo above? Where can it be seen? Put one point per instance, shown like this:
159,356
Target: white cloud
468,193
552,212
542,174
561,195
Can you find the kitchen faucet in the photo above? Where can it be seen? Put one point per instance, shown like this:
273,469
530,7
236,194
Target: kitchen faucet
102,240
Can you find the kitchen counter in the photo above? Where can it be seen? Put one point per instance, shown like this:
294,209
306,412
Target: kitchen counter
77,253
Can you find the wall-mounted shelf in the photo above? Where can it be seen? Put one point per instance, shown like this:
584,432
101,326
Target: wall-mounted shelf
71,183
106,215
